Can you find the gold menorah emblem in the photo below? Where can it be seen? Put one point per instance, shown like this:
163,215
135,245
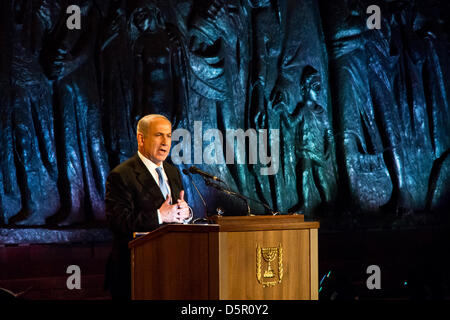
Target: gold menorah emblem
271,276
269,255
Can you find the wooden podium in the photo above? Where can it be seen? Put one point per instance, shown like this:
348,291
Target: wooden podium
234,258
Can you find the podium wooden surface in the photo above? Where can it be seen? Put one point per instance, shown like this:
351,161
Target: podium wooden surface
229,259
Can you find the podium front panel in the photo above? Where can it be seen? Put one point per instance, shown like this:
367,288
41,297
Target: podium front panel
172,266
259,265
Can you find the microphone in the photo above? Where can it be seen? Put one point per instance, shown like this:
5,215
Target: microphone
196,170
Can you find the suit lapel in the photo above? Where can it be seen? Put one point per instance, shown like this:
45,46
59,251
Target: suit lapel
144,177
172,176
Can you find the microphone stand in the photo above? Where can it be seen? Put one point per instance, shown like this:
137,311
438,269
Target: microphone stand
186,172
229,192
236,194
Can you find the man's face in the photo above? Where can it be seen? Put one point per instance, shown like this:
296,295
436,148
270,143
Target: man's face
156,143
313,91
142,19
147,19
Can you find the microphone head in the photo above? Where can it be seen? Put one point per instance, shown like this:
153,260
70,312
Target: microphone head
185,172
193,169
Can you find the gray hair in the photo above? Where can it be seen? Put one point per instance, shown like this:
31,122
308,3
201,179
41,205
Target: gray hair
144,122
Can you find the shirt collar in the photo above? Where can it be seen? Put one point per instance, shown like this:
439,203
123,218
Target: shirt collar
149,163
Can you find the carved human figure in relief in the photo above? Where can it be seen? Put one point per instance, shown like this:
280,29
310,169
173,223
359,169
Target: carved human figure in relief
159,62
309,122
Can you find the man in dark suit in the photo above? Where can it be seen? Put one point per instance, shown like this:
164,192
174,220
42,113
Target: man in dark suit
140,196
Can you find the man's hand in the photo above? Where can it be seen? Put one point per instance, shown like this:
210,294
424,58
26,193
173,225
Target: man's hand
183,207
177,212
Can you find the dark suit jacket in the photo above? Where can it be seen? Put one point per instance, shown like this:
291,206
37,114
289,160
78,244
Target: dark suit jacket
132,199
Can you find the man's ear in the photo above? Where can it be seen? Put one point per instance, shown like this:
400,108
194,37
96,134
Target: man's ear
140,139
